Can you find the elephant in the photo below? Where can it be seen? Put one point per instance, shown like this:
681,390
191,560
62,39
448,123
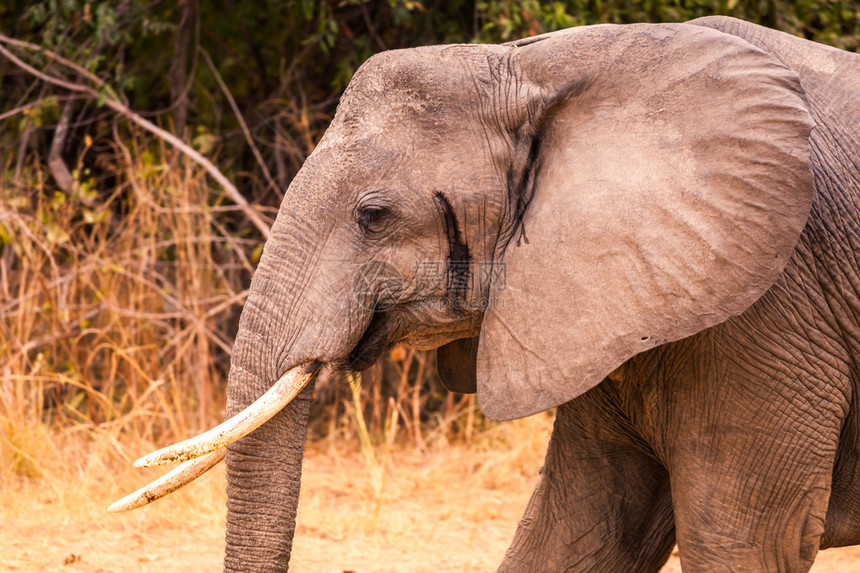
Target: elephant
652,227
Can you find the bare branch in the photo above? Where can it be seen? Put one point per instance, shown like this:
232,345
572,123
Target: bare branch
177,78
242,123
253,215
39,102
22,152
72,87
53,56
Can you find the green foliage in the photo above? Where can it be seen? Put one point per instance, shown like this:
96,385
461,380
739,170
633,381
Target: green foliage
827,21
98,35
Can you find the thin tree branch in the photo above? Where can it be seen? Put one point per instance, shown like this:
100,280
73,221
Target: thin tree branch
253,215
22,152
190,80
31,105
370,27
242,123
25,141
53,56
45,77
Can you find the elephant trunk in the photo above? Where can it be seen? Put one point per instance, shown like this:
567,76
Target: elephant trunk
263,480
264,468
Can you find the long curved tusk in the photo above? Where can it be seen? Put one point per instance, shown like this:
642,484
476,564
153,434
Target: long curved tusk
240,425
169,482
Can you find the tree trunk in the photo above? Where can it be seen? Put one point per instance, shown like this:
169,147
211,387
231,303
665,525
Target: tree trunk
178,74
58,166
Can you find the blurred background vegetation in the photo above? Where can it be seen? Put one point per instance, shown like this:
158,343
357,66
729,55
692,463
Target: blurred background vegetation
145,148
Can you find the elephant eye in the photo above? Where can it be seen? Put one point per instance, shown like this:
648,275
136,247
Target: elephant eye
369,218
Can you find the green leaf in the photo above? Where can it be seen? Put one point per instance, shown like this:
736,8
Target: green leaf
205,143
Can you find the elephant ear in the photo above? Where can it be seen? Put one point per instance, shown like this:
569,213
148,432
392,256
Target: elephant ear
671,182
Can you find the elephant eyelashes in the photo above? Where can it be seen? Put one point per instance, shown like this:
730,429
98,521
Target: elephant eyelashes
369,218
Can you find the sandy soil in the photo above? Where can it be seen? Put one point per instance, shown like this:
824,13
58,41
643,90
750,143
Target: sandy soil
453,511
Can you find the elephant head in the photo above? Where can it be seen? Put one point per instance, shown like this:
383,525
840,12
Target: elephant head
542,210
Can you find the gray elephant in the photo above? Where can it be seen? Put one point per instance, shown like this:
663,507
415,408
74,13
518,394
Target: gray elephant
674,211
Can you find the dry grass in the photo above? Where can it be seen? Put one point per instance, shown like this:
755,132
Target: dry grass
448,508
110,307
346,521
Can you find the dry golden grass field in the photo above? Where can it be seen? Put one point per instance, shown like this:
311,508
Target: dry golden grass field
450,508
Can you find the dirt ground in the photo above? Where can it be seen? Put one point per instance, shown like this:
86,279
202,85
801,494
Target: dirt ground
449,511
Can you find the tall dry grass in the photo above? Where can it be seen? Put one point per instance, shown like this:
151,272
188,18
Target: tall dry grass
116,309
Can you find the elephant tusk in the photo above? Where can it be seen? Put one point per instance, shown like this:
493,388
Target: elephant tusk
169,482
240,425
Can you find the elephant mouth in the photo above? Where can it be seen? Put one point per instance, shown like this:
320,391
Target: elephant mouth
372,343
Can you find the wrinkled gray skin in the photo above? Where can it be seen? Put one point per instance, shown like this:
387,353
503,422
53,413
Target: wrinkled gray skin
664,221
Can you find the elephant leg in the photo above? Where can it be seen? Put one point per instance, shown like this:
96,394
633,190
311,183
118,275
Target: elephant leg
740,518
752,458
602,502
